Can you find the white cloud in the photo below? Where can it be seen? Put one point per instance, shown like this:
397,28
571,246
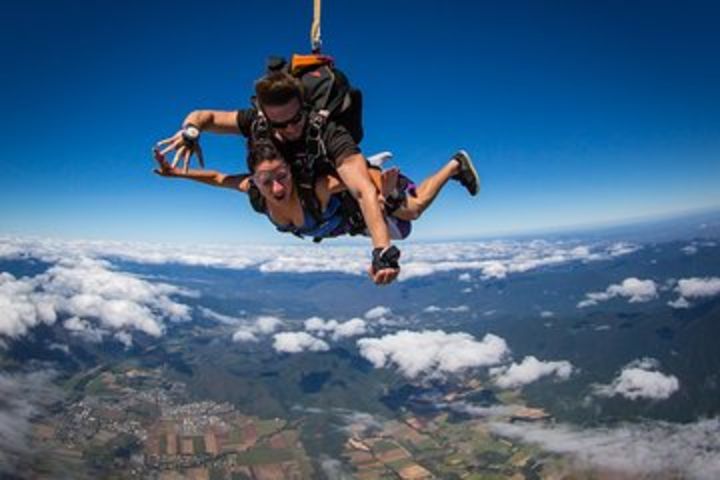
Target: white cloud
317,324
61,347
125,338
219,317
89,289
698,287
244,335
641,379
295,342
21,308
249,331
695,288
351,328
530,370
84,329
636,290
546,314
646,450
457,309
476,411
464,277
494,269
432,351
267,324
679,303
24,396
361,423
334,469
377,312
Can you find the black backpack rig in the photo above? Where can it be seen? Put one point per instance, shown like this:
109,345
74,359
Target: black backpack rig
328,96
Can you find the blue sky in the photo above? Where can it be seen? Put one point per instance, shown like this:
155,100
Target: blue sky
575,113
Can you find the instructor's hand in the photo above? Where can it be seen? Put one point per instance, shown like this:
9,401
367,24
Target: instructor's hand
385,267
384,276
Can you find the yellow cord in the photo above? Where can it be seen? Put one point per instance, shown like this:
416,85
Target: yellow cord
315,40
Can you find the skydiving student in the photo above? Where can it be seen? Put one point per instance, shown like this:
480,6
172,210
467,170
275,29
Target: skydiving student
313,145
338,213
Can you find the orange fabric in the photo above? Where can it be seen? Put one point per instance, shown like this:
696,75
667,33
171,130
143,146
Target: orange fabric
302,62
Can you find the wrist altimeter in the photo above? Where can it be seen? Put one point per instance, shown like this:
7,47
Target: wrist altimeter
190,134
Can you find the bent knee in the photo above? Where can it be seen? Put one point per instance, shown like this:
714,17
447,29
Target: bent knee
407,213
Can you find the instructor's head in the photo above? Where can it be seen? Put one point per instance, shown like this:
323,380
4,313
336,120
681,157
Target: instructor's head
280,97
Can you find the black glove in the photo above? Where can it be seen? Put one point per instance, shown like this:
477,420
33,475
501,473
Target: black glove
387,257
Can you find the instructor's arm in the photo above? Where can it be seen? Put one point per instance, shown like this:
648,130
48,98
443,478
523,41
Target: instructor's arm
354,173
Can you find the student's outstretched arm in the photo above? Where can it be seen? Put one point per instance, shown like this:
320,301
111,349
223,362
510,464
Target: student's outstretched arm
208,177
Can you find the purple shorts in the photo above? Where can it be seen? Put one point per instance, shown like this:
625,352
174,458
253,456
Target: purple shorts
399,229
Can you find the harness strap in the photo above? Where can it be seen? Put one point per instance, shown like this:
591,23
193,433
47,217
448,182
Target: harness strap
316,149
352,214
260,127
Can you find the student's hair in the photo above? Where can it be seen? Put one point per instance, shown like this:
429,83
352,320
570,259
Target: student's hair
261,151
278,88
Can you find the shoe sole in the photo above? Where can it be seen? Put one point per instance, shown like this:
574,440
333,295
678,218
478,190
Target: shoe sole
469,164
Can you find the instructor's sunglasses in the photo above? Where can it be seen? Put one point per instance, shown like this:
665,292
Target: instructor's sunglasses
292,121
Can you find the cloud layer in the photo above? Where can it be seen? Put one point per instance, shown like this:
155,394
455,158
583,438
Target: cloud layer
96,298
22,397
494,259
663,449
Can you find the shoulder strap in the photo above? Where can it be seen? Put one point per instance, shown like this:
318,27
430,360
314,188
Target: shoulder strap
260,127
256,200
352,214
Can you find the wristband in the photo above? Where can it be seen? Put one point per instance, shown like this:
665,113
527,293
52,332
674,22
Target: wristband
387,257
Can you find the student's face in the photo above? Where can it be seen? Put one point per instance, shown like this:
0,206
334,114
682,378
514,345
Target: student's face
273,179
287,120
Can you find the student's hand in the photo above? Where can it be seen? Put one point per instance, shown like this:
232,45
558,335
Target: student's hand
164,169
184,145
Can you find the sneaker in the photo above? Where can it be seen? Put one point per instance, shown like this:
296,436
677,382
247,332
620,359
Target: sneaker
467,176
379,159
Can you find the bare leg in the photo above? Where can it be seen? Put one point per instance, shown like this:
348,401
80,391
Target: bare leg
426,192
